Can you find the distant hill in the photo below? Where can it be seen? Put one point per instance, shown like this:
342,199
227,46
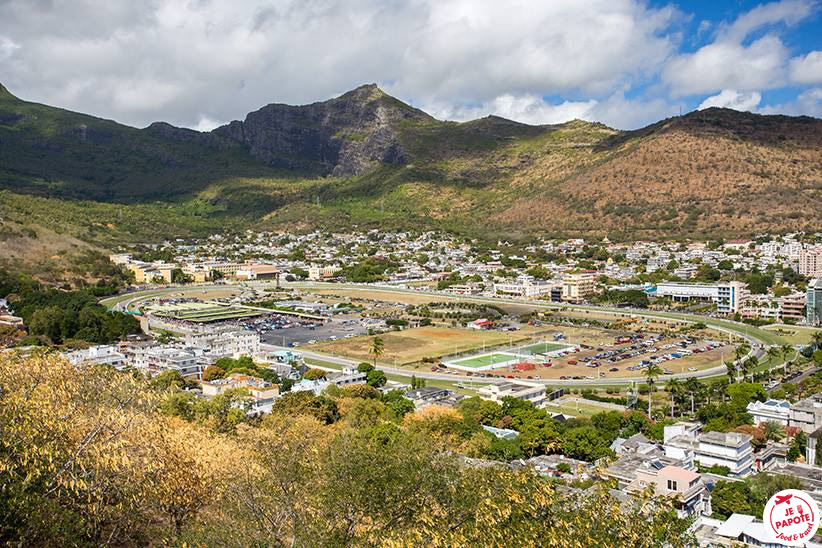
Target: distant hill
368,159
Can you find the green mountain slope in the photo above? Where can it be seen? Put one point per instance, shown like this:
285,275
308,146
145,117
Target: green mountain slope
367,159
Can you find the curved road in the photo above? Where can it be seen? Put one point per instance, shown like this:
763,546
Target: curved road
757,338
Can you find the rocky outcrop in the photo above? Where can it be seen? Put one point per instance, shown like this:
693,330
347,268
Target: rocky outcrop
344,136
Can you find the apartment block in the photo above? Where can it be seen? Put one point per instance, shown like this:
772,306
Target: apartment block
810,262
729,449
577,286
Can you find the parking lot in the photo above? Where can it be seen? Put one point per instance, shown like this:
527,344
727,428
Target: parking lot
301,333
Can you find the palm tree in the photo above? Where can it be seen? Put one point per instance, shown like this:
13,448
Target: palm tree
786,351
732,373
749,365
674,388
377,348
651,375
773,431
772,353
816,339
694,389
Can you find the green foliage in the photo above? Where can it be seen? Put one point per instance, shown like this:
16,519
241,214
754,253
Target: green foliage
171,379
314,374
376,378
368,270
635,298
246,365
322,408
398,404
585,443
750,495
61,315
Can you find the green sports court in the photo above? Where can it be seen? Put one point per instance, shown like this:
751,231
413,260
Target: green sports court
539,348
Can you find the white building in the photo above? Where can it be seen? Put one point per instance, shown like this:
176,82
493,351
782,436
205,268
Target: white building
227,343
728,296
772,410
523,288
729,449
521,390
807,414
99,355
156,359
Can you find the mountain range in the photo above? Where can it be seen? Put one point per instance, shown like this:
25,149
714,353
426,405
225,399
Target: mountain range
367,159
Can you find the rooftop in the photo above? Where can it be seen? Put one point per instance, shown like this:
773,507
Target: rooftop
728,439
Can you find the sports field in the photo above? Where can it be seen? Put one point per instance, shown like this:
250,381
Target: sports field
539,348
485,360
412,345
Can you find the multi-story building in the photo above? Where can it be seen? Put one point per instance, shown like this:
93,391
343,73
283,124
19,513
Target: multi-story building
227,343
523,288
813,303
99,355
258,272
689,493
319,273
520,390
151,272
730,449
155,359
807,414
347,377
577,286
778,411
810,262
261,394
728,296
792,308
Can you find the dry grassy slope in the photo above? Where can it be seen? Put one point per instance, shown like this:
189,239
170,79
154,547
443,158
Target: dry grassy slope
47,255
715,171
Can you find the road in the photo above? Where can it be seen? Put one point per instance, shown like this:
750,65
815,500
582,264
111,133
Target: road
758,339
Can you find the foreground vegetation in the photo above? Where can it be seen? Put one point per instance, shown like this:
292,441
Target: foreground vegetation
55,316
93,457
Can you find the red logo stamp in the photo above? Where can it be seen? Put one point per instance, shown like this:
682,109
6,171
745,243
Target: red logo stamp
791,517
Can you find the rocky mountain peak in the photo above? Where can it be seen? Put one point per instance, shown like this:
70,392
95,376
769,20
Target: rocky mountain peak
346,135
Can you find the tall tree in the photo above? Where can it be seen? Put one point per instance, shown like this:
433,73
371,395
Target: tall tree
772,353
674,388
786,351
377,348
651,375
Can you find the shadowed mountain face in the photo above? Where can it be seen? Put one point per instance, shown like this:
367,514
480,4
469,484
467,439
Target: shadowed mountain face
348,135
366,158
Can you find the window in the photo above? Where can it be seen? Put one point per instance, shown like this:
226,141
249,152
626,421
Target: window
671,485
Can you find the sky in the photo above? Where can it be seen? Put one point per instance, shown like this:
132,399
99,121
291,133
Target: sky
203,63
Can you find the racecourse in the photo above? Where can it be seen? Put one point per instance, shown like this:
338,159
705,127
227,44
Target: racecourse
758,338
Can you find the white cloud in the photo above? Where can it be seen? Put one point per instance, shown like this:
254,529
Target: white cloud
207,124
807,69
197,62
7,48
808,103
147,60
731,98
729,62
789,12
615,110
729,65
